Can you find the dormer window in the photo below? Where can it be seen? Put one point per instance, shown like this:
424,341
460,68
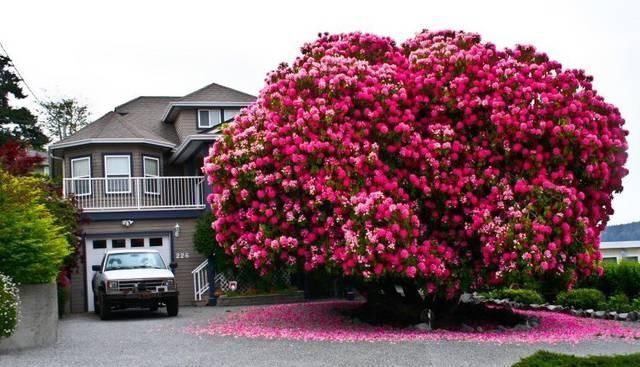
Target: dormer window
230,113
209,118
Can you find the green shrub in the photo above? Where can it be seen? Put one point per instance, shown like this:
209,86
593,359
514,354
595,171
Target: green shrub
204,241
32,247
619,302
635,304
526,296
548,359
9,306
581,298
623,278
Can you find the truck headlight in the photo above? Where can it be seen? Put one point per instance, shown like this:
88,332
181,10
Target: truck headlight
112,284
169,283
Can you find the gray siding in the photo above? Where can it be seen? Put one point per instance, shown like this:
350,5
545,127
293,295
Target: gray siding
97,151
186,124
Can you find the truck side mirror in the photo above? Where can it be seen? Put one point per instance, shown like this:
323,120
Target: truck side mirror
96,267
173,265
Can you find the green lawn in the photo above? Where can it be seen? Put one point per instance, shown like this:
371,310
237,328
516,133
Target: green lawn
548,359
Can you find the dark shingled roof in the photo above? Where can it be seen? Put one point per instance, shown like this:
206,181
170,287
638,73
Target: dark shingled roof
217,93
138,118
141,117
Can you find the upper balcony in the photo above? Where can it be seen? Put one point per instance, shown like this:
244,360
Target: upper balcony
112,194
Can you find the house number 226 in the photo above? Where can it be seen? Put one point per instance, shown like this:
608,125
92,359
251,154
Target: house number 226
182,255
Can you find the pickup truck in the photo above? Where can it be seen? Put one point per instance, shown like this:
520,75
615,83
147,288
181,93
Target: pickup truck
133,278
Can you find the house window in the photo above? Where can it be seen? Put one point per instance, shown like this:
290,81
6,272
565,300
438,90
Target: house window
119,243
230,113
137,242
630,258
99,244
612,260
81,176
155,241
151,174
208,118
117,170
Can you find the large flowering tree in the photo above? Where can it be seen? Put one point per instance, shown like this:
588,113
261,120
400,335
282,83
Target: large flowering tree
444,164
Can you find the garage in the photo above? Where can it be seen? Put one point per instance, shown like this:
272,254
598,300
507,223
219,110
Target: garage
97,245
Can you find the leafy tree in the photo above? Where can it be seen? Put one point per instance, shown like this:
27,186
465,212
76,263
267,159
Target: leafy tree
16,160
64,117
32,246
16,123
439,166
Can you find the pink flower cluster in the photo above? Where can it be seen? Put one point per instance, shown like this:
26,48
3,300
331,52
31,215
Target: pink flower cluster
324,321
443,159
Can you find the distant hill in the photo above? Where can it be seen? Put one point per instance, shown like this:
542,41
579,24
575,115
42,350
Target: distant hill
621,232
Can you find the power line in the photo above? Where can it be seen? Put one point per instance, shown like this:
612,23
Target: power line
19,74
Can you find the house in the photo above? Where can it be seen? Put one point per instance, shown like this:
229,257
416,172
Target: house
135,172
621,242
41,168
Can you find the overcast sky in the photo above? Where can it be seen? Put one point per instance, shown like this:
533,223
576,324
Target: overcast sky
105,53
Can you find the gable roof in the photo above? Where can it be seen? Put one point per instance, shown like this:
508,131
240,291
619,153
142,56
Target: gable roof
142,119
212,95
217,93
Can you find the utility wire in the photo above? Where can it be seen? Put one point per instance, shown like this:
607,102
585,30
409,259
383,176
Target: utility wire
19,74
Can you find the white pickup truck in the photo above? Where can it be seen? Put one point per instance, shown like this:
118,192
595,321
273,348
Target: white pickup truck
133,278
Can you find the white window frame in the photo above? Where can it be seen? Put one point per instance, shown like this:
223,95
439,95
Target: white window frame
106,174
147,176
225,110
211,112
76,179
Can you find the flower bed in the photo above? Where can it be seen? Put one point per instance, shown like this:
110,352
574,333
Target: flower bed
325,321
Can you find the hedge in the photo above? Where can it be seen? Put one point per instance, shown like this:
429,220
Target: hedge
584,298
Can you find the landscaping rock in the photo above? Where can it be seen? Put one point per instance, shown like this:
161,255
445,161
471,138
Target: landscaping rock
589,313
423,326
535,306
622,316
521,327
578,313
467,329
600,314
632,316
554,308
612,315
466,298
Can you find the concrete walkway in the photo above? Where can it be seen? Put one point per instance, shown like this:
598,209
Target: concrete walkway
145,339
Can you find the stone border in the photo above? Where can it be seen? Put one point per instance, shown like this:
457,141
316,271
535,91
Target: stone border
262,299
633,316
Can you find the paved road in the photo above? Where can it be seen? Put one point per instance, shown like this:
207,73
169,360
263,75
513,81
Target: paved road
144,339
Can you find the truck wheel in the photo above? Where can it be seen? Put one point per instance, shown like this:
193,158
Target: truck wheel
172,306
96,305
105,308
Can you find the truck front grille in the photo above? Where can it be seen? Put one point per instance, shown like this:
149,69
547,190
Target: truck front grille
139,285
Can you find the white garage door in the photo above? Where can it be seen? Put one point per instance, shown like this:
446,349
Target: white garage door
97,246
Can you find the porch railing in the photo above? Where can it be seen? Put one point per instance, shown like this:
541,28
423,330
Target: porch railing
98,194
200,281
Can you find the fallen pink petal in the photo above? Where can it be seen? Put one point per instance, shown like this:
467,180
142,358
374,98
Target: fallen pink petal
325,321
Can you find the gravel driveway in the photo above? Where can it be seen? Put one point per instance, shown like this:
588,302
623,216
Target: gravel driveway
145,339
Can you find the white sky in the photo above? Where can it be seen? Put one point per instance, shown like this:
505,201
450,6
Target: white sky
105,53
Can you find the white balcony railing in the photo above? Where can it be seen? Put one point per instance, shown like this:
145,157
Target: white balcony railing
100,194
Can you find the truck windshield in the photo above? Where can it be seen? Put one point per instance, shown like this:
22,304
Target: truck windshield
134,260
